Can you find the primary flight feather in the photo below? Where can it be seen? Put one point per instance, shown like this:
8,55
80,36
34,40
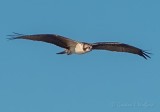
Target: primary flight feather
72,46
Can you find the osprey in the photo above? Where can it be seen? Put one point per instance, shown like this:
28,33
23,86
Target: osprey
75,47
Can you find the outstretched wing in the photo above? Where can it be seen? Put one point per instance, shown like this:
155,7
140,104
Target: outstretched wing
49,38
120,47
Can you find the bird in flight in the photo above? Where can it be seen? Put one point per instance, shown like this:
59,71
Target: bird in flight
76,47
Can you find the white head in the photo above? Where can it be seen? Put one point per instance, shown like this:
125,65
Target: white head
87,47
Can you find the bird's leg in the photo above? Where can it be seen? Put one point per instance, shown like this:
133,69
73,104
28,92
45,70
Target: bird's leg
68,52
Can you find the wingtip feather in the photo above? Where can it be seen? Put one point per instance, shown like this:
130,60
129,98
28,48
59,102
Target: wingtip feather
15,36
145,54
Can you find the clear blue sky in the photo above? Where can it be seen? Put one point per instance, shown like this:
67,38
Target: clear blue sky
34,79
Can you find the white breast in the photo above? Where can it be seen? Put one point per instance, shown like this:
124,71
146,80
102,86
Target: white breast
79,49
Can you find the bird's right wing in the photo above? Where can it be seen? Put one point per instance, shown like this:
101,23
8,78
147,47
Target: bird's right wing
49,38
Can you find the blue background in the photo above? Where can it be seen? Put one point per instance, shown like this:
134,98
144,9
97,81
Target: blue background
34,79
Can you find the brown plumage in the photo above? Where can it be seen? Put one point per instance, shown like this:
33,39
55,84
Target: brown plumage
120,47
49,38
72,46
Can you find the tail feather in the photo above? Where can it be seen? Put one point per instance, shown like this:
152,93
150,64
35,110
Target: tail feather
63,52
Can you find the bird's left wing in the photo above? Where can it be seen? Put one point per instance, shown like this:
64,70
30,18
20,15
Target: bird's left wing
120,47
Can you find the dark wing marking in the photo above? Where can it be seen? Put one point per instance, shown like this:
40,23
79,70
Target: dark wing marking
120,47
49,38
